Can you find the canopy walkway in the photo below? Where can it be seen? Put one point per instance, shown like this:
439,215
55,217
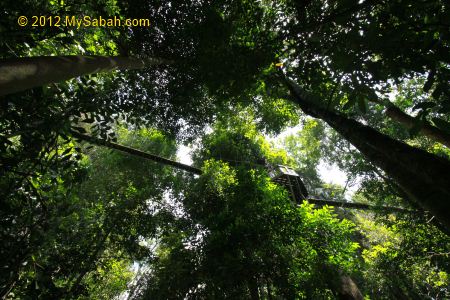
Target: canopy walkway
282,175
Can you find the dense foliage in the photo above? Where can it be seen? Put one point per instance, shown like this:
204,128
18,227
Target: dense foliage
359,85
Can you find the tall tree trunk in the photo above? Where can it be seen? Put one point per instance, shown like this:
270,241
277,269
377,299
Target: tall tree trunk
19,74
348,290
428,130
424,177
342,286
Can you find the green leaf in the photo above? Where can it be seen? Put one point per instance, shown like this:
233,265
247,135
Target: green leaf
65,152
89,120
351,101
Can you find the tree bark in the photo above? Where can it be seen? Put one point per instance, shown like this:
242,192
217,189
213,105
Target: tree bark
428,130
342,286
424,177
348,290
19,74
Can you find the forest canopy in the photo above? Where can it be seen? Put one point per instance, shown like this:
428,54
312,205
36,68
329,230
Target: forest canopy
182,157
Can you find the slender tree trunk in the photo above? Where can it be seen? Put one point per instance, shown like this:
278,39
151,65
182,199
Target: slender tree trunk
428,130
90,262
253,287
269,291
137,153
19,74
424,177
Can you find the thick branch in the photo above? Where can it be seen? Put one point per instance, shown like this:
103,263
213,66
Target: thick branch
427,129
19,74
